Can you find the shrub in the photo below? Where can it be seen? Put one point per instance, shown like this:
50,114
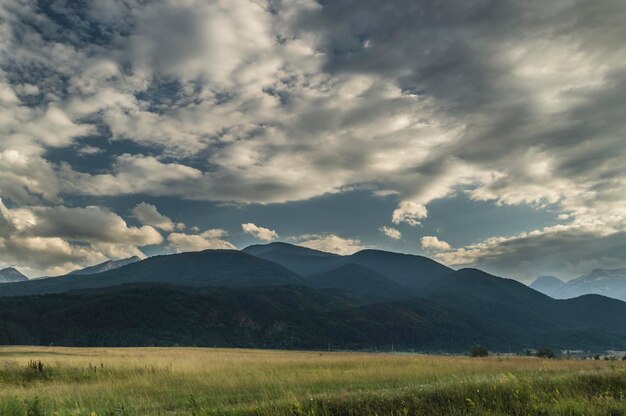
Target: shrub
545,353
478,351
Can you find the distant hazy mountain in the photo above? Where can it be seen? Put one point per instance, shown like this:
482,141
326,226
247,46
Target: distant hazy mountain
11,275
404,269
106,266
547,284
219,268
611,283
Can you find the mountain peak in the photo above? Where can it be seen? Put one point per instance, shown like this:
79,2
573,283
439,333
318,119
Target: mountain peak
11,275
284,248
548,285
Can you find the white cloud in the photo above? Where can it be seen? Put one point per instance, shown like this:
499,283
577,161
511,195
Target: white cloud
391,232
332,243
432,243
260,233
27,179
410,212
189,242
27,89
214,233
148,214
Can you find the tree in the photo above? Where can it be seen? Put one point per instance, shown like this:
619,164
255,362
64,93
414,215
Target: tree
545,353
478,351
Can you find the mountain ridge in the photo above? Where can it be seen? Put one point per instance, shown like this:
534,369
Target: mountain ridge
233,298
407,270
230,268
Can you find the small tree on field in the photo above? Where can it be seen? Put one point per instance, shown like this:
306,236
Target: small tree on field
478,351
545,353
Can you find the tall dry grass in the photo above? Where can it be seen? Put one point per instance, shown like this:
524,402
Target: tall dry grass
186,381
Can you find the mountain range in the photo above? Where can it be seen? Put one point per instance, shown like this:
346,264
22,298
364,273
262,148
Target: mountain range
285,296
610,283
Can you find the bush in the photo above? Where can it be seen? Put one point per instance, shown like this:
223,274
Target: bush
478,351
545,353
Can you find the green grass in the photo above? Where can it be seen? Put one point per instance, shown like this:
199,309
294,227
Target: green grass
188,381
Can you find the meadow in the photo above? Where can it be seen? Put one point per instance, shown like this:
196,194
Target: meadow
188,381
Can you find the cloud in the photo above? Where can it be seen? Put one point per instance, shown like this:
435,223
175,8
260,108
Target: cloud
89,224
149,215
248,102
564,250
214,233
131,174
60,239
190,242
27,179
332,243
410,212
432,243
260,233
391,232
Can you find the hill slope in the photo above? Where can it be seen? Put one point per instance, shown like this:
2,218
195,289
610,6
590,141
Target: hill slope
227,268
284,317
301,260
360,283
514,311
405,269
106,266
278,317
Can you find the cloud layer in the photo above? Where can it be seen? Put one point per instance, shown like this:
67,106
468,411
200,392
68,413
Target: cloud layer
267,102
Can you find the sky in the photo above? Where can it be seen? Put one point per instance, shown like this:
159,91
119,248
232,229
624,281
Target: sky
481,133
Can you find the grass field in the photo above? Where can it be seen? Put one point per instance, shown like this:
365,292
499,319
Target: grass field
187,381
